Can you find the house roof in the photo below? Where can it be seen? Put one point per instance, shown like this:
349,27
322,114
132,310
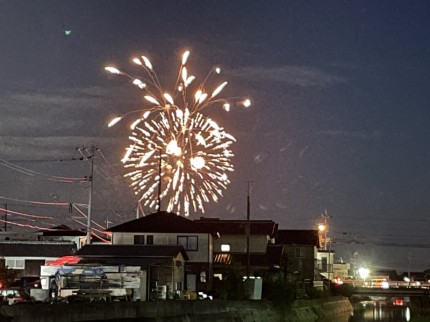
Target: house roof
238,227
297,237
63,230
65,260
36,249
132,251
159,222
127,261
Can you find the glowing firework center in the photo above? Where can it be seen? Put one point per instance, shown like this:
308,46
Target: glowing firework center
176,153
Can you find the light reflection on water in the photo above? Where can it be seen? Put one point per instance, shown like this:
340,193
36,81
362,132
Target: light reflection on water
380,314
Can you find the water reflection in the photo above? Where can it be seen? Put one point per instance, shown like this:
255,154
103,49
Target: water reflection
380,314
383,314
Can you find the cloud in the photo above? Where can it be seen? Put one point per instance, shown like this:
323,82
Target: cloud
61,111
12,147
304,76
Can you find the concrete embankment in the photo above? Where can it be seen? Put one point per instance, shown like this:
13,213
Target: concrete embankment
178,311
325,309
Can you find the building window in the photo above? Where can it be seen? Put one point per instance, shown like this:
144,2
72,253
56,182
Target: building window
150,240
188,242
15,263
225,247
324,265
139,239
300,252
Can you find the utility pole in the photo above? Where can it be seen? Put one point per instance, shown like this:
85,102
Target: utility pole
409,268
324,228
248,231
5,217
89,155
159,183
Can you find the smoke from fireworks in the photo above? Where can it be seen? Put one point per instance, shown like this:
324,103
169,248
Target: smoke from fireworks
176,153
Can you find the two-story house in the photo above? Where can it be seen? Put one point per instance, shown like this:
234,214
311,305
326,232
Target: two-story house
164,228
231,243
301,252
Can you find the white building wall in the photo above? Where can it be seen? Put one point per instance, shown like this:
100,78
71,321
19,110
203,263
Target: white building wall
203,254
257,243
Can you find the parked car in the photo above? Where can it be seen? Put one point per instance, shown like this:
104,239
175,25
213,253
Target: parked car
13,295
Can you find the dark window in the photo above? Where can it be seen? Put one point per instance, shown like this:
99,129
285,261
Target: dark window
324,264
300,252
188,242
139,239
150,240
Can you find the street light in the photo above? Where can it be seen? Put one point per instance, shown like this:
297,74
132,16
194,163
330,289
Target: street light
363,273
323,229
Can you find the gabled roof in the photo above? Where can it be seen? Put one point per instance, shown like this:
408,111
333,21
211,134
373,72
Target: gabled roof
36,249
159,222
238,227
298,237
63,230
134,251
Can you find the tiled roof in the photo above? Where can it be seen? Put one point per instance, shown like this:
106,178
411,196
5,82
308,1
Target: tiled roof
127,261
63,230
134,251
238,227
298,237
160,222
36,249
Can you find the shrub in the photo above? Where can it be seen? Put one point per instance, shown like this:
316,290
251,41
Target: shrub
231,286
279,291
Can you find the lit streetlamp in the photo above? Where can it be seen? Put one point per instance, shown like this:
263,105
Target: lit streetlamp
363,273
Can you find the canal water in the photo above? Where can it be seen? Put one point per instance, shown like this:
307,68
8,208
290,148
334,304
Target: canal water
381,314
388,314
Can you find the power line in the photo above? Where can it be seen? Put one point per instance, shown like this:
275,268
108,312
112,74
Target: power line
43,175
383,244
43,203
89,153
44,160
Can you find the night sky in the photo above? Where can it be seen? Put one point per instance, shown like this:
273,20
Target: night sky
339,121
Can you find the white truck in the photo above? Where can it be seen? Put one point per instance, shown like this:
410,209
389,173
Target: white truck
92,283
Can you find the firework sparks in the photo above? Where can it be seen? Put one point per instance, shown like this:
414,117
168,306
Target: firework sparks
176,153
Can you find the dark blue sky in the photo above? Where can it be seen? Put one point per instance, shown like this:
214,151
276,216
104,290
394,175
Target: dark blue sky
339,118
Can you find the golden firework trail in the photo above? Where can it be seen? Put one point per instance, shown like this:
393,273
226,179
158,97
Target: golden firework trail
176,153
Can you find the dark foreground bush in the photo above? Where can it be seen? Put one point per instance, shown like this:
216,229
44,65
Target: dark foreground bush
344,290
280,292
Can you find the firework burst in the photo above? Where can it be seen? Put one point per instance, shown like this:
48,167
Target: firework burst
176,153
